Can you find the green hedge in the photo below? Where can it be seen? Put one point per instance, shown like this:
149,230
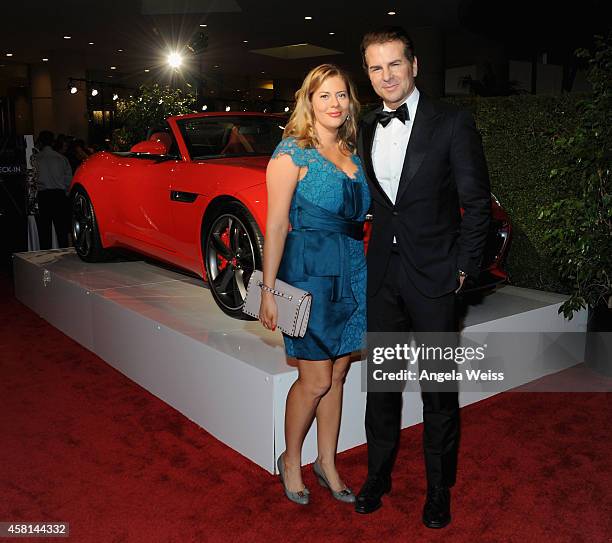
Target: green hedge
518,133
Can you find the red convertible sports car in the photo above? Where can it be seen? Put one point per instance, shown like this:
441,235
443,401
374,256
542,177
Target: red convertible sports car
193,195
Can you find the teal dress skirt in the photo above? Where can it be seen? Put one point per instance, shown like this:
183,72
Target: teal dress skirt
324,254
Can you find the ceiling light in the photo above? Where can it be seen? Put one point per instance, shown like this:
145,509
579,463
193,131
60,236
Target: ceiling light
203,26
245,41
45,60
9,54
175,60
216,66
227,108
391,13
147,70
331,33
113,67
73,90
115,96
119,50
308,18
91,43
94,92
67,37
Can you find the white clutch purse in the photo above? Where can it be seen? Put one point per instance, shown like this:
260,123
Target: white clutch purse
293,304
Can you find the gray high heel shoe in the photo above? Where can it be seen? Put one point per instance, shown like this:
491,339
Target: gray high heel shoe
345,495
303,496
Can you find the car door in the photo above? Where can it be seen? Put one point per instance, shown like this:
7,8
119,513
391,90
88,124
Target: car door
144,206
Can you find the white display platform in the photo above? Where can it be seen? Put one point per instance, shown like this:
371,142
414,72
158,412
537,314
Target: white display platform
163,330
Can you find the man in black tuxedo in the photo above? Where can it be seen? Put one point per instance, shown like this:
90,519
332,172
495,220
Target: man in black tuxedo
424,162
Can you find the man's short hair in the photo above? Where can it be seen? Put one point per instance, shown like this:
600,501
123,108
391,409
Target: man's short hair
385,35
45,138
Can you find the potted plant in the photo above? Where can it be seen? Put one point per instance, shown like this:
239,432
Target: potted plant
578,227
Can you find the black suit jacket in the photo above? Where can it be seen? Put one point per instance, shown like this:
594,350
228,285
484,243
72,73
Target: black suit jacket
444,170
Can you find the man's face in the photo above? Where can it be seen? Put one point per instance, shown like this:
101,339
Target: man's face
391,73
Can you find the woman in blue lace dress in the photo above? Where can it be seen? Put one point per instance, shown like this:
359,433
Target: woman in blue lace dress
317,202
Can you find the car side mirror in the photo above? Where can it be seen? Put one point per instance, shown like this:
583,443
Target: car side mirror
150,147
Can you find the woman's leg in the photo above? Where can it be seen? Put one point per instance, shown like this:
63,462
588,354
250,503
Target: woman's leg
314,380
329,412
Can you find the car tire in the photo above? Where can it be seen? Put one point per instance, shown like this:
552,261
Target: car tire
232,248
85,232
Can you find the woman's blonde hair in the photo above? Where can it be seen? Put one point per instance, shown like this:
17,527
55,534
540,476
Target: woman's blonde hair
301,124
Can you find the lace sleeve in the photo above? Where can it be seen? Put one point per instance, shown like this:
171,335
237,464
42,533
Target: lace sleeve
288,146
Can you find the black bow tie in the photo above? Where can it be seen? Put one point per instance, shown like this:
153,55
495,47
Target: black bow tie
401,113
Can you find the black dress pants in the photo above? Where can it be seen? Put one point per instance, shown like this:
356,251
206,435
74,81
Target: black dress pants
399,307
53,207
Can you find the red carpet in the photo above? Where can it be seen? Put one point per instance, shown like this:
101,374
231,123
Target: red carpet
80,443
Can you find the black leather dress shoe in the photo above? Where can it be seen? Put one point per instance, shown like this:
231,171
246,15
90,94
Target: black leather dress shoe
436,513
369,498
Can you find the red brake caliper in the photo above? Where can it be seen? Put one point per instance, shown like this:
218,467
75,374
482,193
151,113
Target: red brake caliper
225,238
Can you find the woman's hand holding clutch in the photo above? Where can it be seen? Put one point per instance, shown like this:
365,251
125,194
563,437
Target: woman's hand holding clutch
268,310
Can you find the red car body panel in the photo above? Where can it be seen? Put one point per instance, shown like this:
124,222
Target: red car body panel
132,197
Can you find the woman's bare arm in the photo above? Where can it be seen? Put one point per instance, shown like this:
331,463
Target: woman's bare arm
281,179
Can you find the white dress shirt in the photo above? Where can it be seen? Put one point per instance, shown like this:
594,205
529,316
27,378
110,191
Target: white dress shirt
389,147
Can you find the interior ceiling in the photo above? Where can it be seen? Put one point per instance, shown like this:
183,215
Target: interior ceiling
237,30
146,32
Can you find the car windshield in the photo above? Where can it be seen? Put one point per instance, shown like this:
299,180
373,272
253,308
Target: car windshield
226,136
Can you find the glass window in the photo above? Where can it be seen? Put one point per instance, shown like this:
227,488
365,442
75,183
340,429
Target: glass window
229,136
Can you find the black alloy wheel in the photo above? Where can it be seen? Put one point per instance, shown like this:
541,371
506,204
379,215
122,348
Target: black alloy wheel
232,249
85,233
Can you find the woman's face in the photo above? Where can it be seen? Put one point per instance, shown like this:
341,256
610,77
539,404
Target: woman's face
330,103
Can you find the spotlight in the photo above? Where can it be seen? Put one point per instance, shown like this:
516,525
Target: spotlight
227,108
94,92
73,90
286,109
115,96
175,60
204,107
